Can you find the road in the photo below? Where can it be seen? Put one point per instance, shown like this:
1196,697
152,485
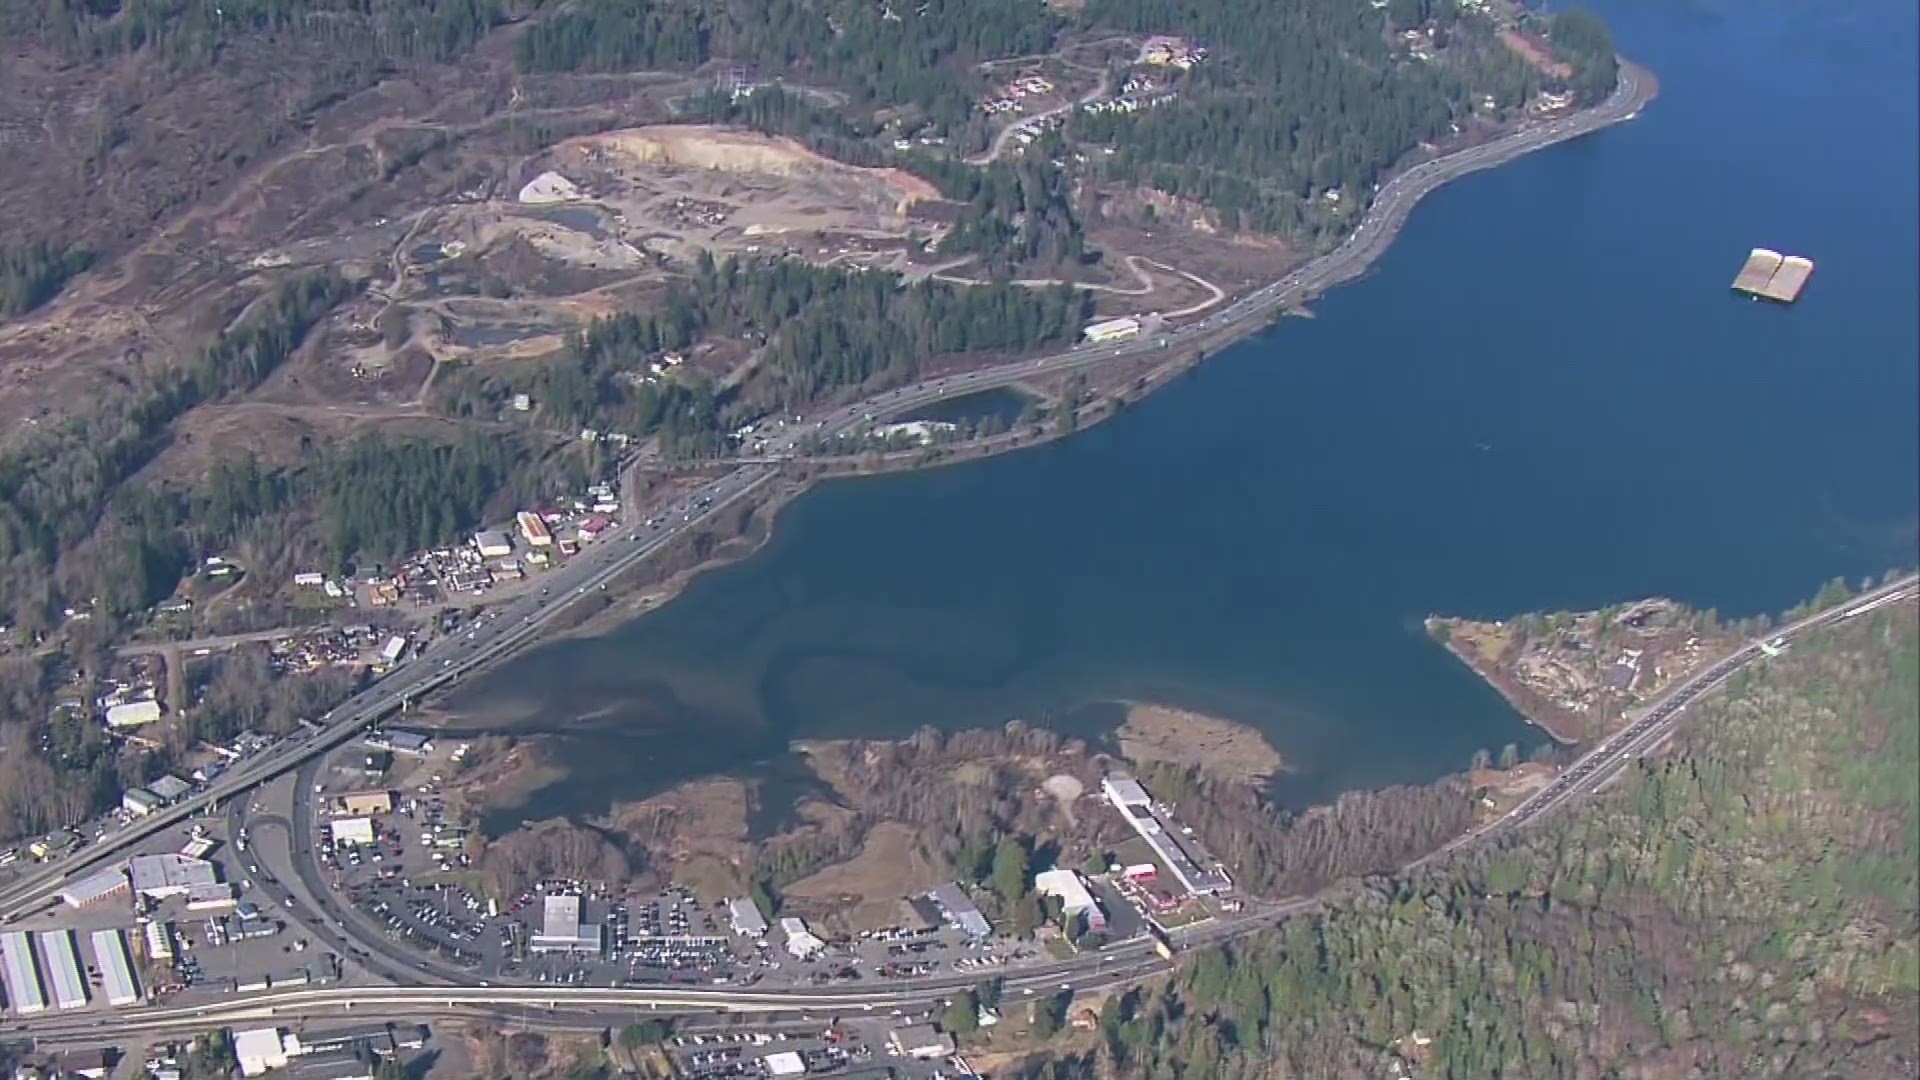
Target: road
1124,963
524,619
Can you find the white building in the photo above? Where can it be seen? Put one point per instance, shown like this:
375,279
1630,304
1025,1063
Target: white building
919,1041
561,928
132,714
157,877
351,832
785,1063
746,917
259,1050
1073,894
801,941
492,544
1111,330
1164,836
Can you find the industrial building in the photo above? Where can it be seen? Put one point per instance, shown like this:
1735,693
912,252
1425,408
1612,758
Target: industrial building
211,896
1164,836
746,917
1111,330
139,802
1074,897
534,530
63,969
801,942
170,788
116,967
260,1049
561,928
959,909
97,888
157,877
159,939
492,544
411,743
21,974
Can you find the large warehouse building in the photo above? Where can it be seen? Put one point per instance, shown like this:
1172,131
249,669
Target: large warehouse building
21,974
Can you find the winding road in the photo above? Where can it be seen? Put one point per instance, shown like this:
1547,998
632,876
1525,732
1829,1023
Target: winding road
528,618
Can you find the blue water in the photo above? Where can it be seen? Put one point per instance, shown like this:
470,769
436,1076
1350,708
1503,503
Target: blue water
1543,397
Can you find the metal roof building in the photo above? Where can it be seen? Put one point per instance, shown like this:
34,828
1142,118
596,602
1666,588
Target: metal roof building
561,928
960,910
169,788
157,877
97,888
21,974
63,969
746,917
116,967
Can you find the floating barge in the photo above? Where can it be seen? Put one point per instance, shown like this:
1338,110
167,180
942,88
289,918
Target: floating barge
1773,276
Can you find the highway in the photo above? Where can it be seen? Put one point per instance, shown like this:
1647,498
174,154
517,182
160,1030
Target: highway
526,618
1125,962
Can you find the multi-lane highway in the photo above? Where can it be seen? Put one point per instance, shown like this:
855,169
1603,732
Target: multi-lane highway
585,1006
524,619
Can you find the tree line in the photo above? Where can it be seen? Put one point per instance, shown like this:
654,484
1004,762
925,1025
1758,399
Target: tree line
32,274
821,331
61,481
1748,905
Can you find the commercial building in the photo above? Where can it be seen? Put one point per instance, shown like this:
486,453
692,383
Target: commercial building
351,832
922,1041
785,1063
959,909
492,544
169,788
801,942
746,917
1073,895
210,896
1196,873
63,969
157,877
140,802
366,803
259,1050
561,928
90,1063
132,714
116,967
159,939
1111,330
97,888
411,743
393,650
534,530
21,974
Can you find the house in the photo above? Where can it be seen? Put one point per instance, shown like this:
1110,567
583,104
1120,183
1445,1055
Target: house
921,1041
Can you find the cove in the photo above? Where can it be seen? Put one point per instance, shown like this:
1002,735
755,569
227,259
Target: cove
1544,396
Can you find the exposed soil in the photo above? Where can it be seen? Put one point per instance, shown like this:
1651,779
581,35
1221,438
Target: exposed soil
1226,749
865,892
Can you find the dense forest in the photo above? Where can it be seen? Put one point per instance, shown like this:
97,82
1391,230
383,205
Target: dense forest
61,480
821,331
1746,906
1303,98
1584,42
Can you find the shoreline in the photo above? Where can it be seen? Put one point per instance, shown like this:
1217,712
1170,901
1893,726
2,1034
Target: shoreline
1259,310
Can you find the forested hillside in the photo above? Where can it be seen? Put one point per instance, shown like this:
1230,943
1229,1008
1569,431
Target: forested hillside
1744,907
